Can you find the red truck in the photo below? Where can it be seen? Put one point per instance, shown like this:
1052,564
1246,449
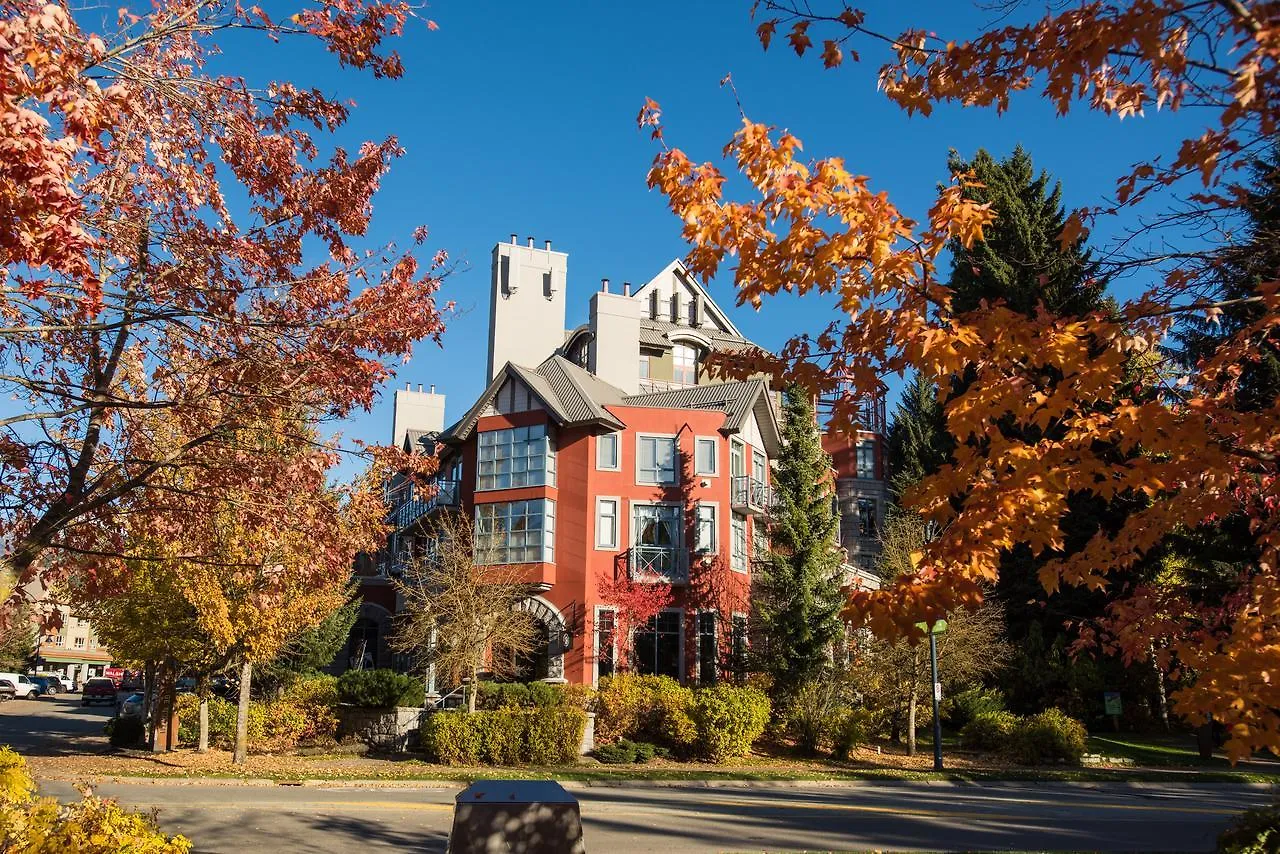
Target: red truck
99,689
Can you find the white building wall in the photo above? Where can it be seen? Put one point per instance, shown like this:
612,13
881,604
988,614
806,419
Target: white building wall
526,309
416,410
614,351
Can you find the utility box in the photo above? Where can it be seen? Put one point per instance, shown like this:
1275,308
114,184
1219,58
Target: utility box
519,816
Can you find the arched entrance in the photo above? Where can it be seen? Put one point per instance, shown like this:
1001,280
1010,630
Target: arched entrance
367,644
546,662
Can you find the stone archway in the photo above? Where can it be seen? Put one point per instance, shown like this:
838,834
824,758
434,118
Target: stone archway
558,639
369,639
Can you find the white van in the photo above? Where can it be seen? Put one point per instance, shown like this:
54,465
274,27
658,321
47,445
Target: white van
26,688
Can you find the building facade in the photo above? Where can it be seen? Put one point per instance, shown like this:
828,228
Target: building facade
599,455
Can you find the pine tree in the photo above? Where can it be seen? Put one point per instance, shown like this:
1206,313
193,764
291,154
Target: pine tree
799,590
1020,259
918,441
1235,274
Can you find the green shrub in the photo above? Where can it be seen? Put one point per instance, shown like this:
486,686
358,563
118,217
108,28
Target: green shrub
127,732
283,723
502,695
621,752
1050,736
454,738
555,735
971,702
317,698
222,722
655,708
502,736
728,720
545,695
849,729
644,750
818,717
380,689
990,731
1254,832
618,707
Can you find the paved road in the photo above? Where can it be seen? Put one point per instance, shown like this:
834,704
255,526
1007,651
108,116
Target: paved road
53,725
872,815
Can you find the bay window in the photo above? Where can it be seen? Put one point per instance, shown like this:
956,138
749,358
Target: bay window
515,457
515,532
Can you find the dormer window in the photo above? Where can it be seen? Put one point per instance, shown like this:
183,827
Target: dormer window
684,365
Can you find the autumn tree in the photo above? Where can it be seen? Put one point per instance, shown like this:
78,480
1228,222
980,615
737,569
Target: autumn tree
17,635
314,649
179,239
917,443
1183,447
894,674
461,614
798,589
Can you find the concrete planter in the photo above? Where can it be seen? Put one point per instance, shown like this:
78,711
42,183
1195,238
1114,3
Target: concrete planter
588,735
394,730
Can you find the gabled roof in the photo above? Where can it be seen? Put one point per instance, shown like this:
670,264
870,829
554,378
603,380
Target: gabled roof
738,400
566,391
678,269
660,333
419,440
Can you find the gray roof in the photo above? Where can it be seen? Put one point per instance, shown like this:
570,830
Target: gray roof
653,333
737,400
419,440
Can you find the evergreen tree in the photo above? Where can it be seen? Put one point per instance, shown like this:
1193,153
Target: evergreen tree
918,441
311,651
1020,259
1235,274
799,591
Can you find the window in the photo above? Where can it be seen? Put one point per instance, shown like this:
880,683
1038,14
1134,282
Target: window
656,550
866,517
759,540
644,367
738,551
738,646
515,532
707,651
866,459
59,640
607,452
759,467
657,645
737,463
684,365
706,528
606,523
79,643
705,457
518,456
655,459
606,642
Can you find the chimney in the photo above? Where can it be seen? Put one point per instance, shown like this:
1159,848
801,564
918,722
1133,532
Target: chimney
416,410
626,289
615,339
527,305
548,246
514,239
604,286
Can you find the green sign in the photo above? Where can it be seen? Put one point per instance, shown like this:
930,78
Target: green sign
938,627
1111,700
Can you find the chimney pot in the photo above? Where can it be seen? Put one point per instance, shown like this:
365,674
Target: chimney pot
604,286
548,245
433,388
514,239
626,289
419,388
408,386
530,242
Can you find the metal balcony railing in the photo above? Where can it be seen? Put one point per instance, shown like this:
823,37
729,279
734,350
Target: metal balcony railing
749,495
443,493
658,563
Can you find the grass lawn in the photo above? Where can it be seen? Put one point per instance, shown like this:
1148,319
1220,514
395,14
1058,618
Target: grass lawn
1171,750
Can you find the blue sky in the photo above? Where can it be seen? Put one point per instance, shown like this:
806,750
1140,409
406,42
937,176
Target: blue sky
520,117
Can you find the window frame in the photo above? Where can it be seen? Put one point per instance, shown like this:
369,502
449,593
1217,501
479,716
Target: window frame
645,366
739,658
616,501
715,456
675,457
738,560
595,642
617,451
678,366
714,507
548,457
547,543
679,612
715,644
679,548
858,505
870,471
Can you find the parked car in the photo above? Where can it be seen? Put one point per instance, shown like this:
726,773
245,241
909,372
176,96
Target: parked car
7,691
46,685
134,706
99,689
186,685
25,688
57,680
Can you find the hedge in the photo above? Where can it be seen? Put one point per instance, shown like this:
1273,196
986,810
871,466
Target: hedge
380,689
551,735
728,720
305,712
653,708
1051,736
89,826
989,731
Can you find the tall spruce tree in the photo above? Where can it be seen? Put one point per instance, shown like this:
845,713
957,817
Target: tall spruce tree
799,590
1020,259
918,441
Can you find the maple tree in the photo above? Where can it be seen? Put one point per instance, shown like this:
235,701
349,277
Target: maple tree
1183,448
177,238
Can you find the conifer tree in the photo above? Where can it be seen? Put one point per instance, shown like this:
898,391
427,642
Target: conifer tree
918,441
799,589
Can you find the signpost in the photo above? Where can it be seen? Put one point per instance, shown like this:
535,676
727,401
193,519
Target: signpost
1112,706
938,628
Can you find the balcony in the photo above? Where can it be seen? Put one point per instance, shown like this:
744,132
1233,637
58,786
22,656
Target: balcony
443,493
658,563
751,496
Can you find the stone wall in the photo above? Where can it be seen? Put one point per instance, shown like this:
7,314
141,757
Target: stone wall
394,730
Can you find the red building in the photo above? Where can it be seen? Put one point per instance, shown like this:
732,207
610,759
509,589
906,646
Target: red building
596,453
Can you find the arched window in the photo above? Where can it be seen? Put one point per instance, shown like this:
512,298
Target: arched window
362,646
684,361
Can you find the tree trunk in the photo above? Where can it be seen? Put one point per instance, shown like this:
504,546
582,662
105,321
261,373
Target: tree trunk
242,715
911,725
202,746
149,701
472,688
1164,700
